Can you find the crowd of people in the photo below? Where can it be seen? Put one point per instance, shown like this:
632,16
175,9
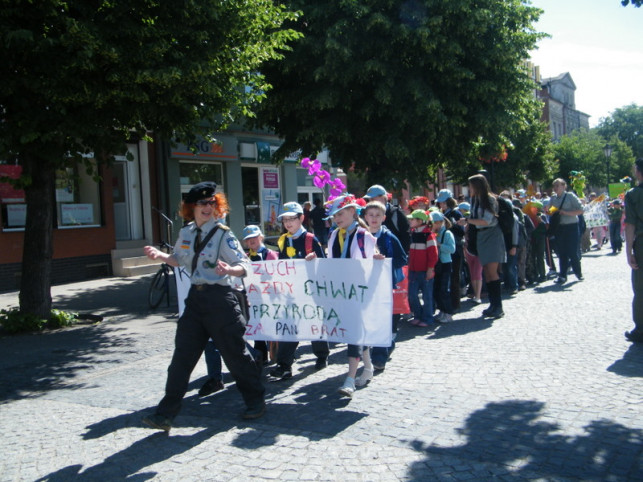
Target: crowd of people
451,250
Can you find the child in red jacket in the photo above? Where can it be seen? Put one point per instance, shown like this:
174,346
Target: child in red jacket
423,256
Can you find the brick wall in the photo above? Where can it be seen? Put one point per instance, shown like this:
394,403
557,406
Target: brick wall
63,270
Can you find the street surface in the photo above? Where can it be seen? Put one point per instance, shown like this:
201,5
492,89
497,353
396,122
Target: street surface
552,391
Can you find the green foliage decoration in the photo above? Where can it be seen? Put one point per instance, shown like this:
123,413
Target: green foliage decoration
15,321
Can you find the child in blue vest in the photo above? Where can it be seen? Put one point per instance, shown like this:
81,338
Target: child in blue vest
297,243
442,281
351,239
389,247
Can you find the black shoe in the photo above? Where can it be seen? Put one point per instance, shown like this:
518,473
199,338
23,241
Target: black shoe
254,412
580,278
210,387
488,310
321,363
560,280
281,372
495,313
633,338
158,421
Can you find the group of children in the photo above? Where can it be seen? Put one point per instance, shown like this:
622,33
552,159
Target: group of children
359,232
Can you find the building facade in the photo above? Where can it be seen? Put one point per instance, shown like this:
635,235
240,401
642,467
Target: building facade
559,110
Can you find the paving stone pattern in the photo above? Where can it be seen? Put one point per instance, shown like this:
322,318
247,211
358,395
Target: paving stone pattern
552,391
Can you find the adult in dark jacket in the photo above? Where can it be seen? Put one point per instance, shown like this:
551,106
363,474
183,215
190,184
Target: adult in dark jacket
396,220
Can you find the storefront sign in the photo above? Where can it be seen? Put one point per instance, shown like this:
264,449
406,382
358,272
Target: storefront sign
271,179
16,215
74,214
223,147
7,192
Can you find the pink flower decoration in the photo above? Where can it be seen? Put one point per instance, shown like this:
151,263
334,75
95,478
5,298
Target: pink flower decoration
338,184
318,182
305,162
334,192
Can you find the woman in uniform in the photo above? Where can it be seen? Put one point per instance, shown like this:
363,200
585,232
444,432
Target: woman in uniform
210,251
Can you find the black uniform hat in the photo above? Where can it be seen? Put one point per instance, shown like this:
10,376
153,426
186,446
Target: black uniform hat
202,190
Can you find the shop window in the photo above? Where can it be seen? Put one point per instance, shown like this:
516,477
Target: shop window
194,172
77,198
14,209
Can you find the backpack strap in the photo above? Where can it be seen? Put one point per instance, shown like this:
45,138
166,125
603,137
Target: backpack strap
310,237
359,236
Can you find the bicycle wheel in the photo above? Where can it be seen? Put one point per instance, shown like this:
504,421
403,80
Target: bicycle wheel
158,288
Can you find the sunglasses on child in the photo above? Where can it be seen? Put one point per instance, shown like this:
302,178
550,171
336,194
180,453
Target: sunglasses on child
206,202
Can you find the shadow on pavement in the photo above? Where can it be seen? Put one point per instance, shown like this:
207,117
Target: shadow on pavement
461,326
148,451
631,365
34,364
510,438
124,298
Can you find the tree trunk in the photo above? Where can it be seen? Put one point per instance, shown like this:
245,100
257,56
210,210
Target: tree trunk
35,281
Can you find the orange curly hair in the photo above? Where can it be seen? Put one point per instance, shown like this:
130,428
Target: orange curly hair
186,211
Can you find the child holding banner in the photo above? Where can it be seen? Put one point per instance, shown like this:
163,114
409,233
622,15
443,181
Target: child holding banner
351,239
389,247
257,251
297,243
423,257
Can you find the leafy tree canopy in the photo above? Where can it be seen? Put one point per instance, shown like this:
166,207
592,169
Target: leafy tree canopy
626,124
522,153
82,76
395,86
582,150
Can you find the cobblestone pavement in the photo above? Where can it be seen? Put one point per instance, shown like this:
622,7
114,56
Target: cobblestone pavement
552,391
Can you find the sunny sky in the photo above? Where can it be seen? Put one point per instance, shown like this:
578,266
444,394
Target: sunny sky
600,43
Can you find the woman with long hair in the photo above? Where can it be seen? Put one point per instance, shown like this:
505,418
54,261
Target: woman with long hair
490,241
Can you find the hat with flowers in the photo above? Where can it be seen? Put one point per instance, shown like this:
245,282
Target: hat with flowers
341,202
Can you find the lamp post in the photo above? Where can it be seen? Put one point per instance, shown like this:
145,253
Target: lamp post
607,150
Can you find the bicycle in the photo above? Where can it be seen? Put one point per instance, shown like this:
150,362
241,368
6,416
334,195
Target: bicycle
160,286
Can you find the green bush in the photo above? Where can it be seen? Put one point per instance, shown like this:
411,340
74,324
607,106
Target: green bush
14,321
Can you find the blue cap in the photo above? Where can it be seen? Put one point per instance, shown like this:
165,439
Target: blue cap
443,195
437,216
290,210
464,206
375,191
251,231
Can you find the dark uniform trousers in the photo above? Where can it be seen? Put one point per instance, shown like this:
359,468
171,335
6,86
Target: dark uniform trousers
286,352
211,311
637,287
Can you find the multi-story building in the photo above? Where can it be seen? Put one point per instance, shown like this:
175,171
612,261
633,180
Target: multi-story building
559,110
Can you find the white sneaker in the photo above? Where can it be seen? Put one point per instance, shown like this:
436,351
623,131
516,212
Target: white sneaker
364,378
348,388
438,317
476,301
447,318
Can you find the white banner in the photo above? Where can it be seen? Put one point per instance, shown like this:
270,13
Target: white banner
336,300
595,214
